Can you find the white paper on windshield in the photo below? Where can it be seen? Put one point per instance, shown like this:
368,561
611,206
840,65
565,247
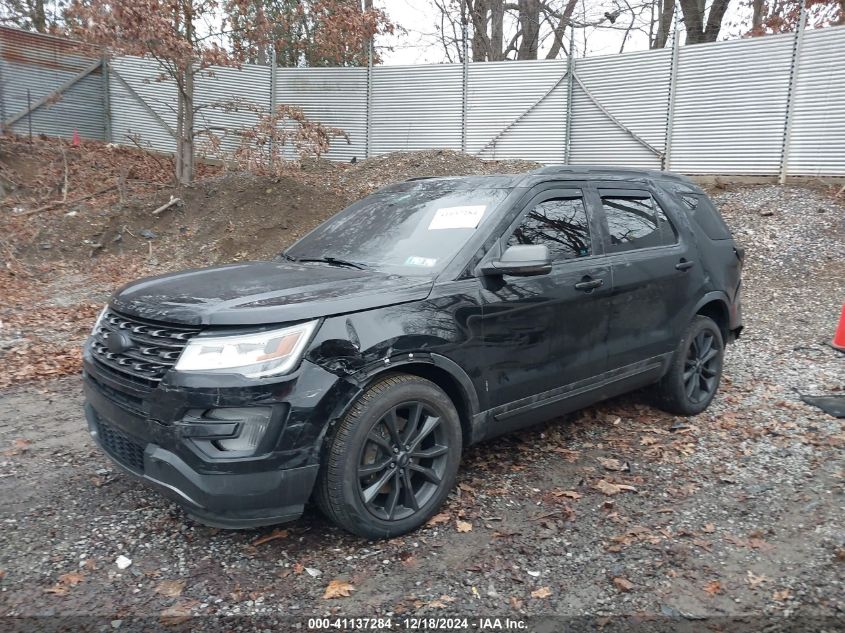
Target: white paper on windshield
466,217
428,262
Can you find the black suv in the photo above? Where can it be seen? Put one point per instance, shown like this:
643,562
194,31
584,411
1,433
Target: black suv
431,315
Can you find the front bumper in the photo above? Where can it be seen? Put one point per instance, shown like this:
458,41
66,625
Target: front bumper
144,435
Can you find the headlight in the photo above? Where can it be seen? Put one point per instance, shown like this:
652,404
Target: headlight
99,320
251,355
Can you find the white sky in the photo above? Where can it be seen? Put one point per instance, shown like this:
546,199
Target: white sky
419,44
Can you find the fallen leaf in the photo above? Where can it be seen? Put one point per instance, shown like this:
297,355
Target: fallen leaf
272,536
623,584
709,528
441,602
713,587
178,613
754,580
614,464
437,519
464,526
647,440
571,494
758,543
542,592
170,588
781,596
610,489
19,446
71,578
338,589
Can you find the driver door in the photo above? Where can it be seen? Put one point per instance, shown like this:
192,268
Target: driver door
544,337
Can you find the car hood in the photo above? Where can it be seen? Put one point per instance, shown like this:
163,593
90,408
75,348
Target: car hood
253,293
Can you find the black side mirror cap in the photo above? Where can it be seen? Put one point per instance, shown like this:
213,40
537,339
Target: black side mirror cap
521,260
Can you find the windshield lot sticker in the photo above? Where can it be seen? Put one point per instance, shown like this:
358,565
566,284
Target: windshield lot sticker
413,260
465,217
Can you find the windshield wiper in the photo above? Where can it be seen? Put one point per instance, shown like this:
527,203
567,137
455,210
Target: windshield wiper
334,261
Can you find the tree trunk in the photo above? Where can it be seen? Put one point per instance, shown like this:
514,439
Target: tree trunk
664,23
757,17
477,12
529,24
699,30
38,16
560,30
185,128
497,29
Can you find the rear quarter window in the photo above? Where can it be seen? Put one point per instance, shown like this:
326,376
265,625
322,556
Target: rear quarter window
705,214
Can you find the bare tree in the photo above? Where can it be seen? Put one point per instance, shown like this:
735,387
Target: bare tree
701,24
30,15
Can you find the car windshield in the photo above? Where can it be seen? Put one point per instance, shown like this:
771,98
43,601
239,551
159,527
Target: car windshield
414,232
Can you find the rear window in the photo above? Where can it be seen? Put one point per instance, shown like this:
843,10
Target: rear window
705,215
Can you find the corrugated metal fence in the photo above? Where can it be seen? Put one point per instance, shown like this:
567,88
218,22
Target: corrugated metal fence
762,106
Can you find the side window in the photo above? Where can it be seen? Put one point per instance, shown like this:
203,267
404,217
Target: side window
636,222
559,223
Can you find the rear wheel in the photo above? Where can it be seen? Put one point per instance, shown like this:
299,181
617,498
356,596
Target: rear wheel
393,459
695,371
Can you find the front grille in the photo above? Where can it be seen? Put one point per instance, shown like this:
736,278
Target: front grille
121,447
155,347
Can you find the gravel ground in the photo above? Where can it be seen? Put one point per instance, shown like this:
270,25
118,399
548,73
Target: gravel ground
734,514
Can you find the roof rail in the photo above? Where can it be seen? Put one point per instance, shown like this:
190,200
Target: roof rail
615,171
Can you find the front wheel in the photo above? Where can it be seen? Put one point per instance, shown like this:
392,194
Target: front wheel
393,459
695,371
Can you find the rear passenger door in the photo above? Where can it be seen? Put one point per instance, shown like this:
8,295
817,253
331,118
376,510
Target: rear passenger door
655,275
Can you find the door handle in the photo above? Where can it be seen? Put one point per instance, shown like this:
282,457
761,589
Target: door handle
587,286
684,264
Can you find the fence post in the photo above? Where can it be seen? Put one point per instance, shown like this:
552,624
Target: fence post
673,85
570,82
29,112
465,79
273,87
104,72
2,96
790,101
369,113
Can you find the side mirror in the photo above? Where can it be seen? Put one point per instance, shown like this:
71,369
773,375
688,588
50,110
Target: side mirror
521,260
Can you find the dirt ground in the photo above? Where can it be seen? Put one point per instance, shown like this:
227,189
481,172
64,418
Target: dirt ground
731,520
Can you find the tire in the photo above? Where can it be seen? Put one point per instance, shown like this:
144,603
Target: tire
359,490
693,377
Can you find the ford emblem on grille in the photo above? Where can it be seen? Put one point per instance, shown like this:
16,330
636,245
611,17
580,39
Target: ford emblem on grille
118,342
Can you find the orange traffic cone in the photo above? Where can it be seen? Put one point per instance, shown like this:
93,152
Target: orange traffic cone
838,341
75,138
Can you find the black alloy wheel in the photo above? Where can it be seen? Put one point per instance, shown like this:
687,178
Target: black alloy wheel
694,372
392,460
702,366
403,461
